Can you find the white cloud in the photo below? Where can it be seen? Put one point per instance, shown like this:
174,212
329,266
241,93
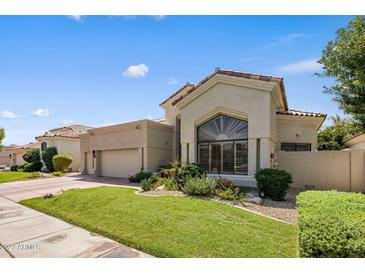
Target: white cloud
136,71
67,122
172,81
76,18
286,40
41,112
308,65
9,115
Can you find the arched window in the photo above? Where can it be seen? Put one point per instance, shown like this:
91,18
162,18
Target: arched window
222,145
43,146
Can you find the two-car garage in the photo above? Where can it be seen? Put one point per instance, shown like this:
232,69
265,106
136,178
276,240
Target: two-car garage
123,150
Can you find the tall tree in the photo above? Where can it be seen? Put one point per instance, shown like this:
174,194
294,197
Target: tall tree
2,136
344,59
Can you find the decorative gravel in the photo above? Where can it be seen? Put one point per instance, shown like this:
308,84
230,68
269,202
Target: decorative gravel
282,210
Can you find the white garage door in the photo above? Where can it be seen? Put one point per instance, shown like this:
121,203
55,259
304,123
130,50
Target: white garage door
119,163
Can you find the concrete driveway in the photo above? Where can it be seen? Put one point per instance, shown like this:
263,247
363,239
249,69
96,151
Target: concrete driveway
22,190
27,233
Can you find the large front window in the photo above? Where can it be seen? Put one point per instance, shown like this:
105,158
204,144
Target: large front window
222,145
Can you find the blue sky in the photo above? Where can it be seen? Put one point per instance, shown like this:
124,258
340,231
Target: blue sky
101,70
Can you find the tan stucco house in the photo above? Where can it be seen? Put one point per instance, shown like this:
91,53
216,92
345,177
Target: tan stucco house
357,141
231,123
16,152
5,156
66,140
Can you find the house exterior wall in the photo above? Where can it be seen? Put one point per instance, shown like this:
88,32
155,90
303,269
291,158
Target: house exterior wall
152,140
240,102
340,170
4,157
69,146
294,129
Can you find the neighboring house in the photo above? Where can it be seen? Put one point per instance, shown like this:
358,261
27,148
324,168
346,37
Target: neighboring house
357,141
5,156
16,153
231,123
66,140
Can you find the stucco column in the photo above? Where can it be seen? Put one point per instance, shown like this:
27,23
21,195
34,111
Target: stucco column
98,163
265,153
251,157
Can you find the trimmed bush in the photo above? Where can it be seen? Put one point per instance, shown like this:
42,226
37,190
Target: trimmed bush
61,162
138,177
201,186
14,168
273,183
32,167
47,157
32,155
331,224
189,171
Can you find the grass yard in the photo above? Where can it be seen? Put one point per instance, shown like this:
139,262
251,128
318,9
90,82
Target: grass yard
13,176
172,226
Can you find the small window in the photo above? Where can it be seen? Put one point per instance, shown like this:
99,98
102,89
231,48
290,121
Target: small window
43,146
296,147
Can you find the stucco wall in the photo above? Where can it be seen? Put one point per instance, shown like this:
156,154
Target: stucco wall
294,129
4,157
340,170
250,104
69,146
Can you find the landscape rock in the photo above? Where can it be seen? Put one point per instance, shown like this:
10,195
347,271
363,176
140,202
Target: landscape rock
255,200
160,188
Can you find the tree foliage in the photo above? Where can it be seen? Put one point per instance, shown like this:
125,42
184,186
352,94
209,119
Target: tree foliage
344,59
47,156
333,137
2,136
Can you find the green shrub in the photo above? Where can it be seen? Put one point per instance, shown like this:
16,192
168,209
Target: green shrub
47,157
138,177
273,183
231,194
169,183
200,186
32,155
14,168
188,171
58,174
146,185
32,167
36,175
331,224
61,162
223,184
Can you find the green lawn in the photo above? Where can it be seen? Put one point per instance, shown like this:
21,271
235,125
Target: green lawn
172,226
6,177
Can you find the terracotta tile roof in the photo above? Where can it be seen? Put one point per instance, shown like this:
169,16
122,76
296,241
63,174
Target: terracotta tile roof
301,113
72,131
27,146
235,74
187,85
160,120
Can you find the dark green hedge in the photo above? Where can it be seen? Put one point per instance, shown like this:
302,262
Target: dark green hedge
331,224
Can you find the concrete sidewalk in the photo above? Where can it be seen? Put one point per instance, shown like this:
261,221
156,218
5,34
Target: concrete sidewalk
27,233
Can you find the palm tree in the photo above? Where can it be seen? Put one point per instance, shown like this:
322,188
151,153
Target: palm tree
338,121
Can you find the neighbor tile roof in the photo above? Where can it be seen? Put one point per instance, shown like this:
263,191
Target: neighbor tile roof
301,113
72,131
235,74
27,146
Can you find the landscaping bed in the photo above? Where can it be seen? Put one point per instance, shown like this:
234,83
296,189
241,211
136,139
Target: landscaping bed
331,224
13,176
172,226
